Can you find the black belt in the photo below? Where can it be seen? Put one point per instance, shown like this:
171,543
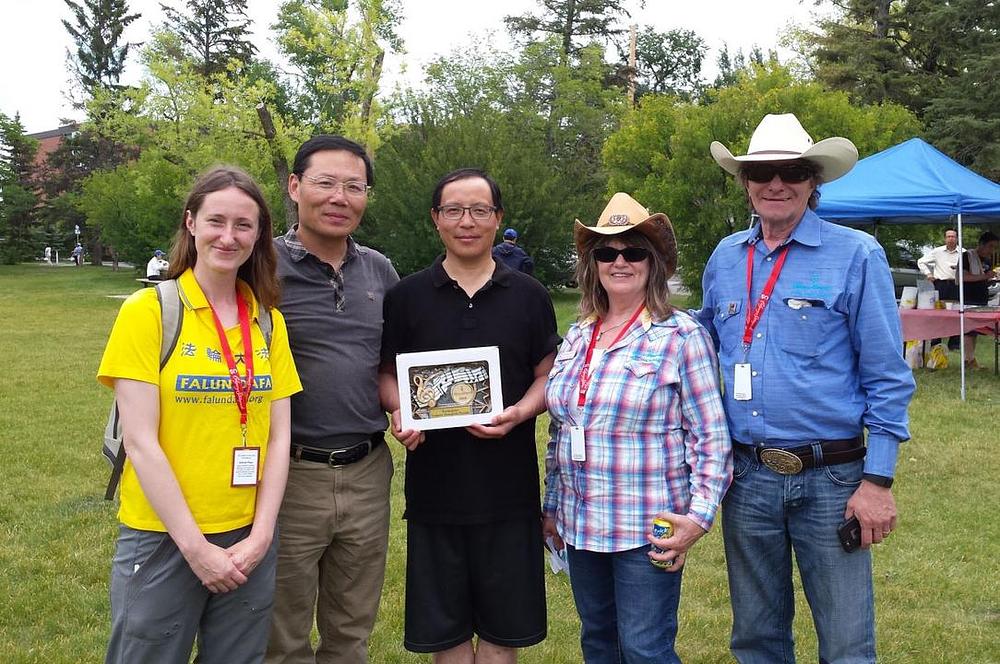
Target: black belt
343,456
792,460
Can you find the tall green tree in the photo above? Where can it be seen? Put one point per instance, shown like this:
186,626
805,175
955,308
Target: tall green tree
732,65
661,151
61,176
180,126
666,62
534,125
938,59
336,51
99,53
213,33
963,117
865,48
575,22
17,192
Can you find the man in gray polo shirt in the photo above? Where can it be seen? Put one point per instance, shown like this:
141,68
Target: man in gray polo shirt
334,522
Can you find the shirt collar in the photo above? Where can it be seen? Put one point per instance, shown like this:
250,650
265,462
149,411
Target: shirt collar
297,251
502,274
645,318
193,297
807,232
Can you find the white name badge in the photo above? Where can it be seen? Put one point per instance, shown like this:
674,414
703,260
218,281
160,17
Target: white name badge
577,445
246,462
742,389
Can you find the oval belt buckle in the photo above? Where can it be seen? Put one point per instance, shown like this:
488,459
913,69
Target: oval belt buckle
781,461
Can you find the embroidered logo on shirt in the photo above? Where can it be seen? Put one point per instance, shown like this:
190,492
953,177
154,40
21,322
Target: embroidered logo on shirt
813,288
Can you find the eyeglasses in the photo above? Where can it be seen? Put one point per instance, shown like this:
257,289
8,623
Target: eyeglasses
630,254
455,212
329,185
789,173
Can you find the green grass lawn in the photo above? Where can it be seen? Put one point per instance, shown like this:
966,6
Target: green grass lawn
938,595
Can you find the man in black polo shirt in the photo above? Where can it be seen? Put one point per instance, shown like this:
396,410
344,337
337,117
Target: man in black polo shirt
474,539
334,521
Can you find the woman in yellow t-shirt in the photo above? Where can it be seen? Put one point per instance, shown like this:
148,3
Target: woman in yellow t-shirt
207,439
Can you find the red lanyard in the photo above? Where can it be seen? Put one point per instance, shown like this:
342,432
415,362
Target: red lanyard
754,312
241,386
585,374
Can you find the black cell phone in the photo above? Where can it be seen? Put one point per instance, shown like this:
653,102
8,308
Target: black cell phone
849,533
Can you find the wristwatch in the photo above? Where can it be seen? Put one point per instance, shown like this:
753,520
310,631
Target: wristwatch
878,480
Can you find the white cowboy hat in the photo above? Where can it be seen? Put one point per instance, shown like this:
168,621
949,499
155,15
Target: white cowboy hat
623,213
782,138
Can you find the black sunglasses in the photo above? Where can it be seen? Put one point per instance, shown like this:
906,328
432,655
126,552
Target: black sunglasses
790,173
610,254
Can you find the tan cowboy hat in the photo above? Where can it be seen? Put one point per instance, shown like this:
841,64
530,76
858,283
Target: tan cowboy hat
623,213
781,138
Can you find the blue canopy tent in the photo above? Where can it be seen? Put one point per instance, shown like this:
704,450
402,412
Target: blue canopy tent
912,183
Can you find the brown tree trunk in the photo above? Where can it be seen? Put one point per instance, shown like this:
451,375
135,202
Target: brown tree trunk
882,18
96,253
366,106
568,25
280,164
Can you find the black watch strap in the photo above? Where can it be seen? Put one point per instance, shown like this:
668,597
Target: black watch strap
878,480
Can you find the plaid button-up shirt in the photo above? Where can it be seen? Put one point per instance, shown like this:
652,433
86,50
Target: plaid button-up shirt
656,435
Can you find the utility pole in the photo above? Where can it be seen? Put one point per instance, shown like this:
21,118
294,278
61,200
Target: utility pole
631,64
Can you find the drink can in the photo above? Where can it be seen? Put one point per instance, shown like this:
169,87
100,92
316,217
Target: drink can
661,528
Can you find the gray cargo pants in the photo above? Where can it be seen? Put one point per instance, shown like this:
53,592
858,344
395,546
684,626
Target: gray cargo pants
158,604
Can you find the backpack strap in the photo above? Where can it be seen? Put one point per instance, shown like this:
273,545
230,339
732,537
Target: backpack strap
265,324
113,450
169,294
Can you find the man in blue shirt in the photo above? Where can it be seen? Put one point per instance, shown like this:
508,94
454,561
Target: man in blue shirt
511,255
811,356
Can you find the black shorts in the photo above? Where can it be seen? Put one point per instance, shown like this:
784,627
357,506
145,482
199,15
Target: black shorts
485,579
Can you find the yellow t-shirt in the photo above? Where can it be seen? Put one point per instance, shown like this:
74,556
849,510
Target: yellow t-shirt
199,422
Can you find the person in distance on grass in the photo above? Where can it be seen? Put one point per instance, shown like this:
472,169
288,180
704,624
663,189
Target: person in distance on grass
977,273
938,265
157,266
474,539
511,255
334,521
638,432
803,315
207,440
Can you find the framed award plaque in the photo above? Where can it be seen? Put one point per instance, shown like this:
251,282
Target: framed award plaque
441,389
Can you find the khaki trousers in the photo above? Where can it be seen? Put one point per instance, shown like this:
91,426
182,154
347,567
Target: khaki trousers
333,531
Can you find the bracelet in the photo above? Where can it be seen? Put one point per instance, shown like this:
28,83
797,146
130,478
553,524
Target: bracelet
878,480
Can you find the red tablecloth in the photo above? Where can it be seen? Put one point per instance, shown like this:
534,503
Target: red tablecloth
934,323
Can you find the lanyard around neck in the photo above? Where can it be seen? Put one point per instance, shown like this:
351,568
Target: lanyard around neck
585,373
755,311
241,386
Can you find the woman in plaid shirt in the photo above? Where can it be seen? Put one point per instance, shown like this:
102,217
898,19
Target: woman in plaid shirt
638,432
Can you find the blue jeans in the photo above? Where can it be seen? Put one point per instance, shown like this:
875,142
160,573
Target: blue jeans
764,517
627,607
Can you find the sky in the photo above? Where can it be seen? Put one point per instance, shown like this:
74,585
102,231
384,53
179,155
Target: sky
33,42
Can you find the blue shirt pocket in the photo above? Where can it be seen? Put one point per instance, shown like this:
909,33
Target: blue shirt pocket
729,323
802,325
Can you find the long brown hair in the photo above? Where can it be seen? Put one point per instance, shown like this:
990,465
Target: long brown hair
259,271
593,297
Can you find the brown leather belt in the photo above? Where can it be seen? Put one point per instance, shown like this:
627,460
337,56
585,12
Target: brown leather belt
792,460
339,457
